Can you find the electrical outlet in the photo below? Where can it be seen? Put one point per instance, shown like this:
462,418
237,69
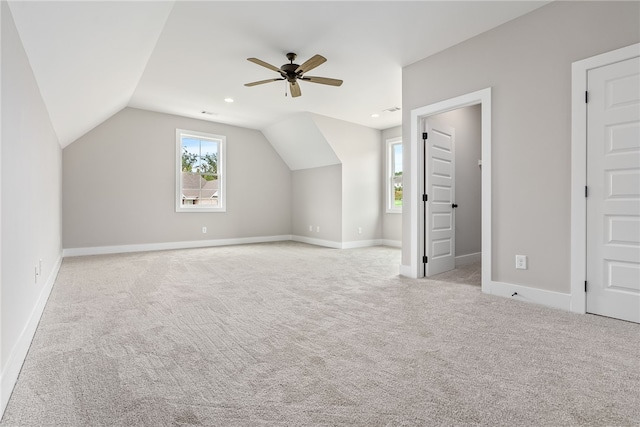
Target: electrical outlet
359,230
204,230
317,229
311,228
521,262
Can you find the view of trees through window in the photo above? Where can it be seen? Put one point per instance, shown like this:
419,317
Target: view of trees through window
396,175
199,183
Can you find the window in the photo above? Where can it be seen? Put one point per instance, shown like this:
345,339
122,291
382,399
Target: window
394,175
200,172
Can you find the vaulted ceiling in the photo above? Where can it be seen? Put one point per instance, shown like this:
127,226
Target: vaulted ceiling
93,58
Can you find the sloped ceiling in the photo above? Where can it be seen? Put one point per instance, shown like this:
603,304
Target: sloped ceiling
87,57
93,58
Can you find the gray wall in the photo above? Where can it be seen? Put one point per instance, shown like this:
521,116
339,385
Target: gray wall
119,185
468,179
391,222
317,201
527,63
358,148
31,162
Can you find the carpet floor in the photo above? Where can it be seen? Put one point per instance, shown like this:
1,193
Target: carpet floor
288,334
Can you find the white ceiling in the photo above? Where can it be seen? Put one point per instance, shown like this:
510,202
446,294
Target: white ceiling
92,59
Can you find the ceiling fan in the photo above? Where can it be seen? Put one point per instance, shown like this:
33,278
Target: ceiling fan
293,73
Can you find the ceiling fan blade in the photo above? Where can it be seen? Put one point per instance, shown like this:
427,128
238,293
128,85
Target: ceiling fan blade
294,87
264,64
322,80
261,82
311,63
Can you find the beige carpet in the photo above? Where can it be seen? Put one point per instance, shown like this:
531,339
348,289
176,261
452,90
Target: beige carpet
287,334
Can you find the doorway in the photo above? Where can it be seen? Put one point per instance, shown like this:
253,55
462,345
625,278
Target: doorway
453,182
419,249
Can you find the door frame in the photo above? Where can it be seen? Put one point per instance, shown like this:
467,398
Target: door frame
482,97
579,70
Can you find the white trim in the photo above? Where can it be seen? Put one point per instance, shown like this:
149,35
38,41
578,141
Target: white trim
338,245
221,140
579,72
361,244
145,247
389,194
405,270
468,259
19,352
482,97
391,243
531,295
318,242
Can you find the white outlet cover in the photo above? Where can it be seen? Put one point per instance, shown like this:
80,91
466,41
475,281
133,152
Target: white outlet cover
521,262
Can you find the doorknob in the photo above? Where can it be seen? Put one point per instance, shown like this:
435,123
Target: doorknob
453,205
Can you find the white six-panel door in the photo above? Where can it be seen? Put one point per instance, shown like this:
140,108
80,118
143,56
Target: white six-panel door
440,224
613,180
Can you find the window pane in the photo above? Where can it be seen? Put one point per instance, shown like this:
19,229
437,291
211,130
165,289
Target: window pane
208,156
190,155
396,176
191,188
210,190
397,158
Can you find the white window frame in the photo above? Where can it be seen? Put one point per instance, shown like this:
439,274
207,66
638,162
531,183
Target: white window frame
222,181
389,193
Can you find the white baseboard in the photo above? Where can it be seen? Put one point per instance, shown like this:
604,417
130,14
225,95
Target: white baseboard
361,244
19,352
533,295
317,242
354,244
145,247
391,243
405,270
468,259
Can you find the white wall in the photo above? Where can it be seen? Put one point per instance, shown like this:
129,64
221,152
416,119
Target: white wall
119,185
391,222
317,202
358,148
31,162
468,179
527,63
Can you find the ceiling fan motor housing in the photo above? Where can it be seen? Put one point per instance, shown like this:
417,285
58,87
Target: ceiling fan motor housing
289,71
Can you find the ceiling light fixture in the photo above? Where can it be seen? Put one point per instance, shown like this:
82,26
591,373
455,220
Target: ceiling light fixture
374,115
229,100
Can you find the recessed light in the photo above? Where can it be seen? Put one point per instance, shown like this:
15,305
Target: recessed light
229,100
374,115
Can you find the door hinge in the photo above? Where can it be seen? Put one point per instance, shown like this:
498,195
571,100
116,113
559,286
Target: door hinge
586,191
425,259
424,135
425,197
586,97
585,286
